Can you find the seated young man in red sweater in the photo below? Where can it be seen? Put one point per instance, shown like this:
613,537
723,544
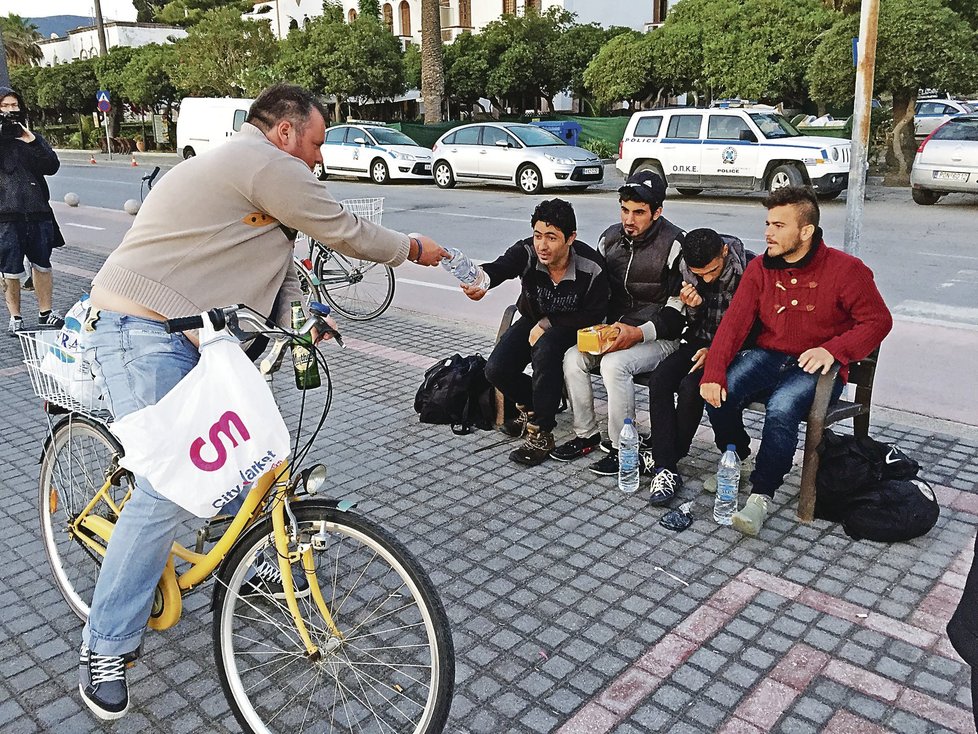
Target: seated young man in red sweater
815,306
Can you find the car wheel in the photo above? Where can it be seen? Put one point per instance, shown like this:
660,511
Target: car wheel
188,152
442,173
828,195
320,172
379,173
529,180
690,192
784,176
924,197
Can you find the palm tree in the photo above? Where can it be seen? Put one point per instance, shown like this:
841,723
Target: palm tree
20,39
432,63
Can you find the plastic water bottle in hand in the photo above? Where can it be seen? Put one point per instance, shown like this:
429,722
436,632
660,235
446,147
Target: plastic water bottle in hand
464,269
628,458
728,484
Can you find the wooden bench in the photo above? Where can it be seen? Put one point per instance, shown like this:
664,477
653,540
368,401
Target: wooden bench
823,413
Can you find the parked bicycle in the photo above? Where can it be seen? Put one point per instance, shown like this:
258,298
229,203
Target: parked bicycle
369,649
358,289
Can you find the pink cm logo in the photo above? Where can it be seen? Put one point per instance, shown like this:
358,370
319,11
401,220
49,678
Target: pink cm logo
218,431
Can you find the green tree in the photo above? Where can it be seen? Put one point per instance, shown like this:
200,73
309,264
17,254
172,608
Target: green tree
578,45
67,88
522,61
190,12
967,9
225,56
146,80
466,70
20,39
412,66
110,72
921,44
622,69
24,80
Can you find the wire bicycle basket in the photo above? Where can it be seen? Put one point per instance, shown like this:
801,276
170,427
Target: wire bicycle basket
60,375
371,209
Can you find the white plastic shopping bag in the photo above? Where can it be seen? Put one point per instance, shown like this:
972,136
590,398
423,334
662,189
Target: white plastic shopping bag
64,359
212,436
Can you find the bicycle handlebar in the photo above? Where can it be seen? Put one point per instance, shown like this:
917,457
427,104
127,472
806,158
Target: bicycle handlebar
233,317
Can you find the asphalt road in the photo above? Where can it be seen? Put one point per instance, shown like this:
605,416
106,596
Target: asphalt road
925,259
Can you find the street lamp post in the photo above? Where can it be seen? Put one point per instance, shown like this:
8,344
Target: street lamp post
862,111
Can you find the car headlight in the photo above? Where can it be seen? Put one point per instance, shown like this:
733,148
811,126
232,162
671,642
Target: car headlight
558,159
835,154
403,156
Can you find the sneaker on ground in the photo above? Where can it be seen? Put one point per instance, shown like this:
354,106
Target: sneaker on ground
267,581
15,325
536,447
51,320
102,684
750,518
644,443
664,486
746,467
606,467
576,448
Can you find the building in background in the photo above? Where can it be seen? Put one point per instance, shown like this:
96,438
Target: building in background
403,17
82,43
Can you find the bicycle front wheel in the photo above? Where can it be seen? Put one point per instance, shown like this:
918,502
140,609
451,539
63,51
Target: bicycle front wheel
77,461
358,289
390,668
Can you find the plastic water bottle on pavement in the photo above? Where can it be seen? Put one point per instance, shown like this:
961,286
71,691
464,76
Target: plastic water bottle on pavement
728,484
463,268
628,458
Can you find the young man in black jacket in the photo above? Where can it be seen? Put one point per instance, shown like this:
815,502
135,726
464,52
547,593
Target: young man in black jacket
27,225
564,288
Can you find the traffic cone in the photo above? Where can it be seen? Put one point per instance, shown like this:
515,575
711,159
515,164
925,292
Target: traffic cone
92,160
133,161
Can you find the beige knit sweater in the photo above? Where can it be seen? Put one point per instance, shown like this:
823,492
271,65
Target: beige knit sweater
208,235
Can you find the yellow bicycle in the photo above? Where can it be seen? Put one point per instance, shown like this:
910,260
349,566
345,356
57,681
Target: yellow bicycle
367,649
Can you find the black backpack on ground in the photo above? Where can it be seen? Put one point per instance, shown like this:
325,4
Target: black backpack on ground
455,392
872,488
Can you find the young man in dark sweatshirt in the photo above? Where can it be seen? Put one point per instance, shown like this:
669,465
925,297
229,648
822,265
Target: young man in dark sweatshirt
564,288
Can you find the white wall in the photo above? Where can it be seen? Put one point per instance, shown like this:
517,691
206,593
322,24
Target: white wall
83,43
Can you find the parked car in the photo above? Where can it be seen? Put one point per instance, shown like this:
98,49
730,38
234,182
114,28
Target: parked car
373,151
745,148
929,114
205,122
947,161
512,153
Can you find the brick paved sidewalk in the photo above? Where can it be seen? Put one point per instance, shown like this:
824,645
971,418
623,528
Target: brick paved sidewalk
572,609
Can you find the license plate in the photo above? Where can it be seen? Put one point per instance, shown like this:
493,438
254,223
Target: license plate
426,167
950,176
592,171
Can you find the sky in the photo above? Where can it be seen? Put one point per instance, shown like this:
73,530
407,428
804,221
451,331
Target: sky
111,9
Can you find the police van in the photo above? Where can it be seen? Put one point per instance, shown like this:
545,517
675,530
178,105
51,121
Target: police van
739,148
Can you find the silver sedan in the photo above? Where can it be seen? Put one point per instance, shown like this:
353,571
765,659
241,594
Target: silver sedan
947,161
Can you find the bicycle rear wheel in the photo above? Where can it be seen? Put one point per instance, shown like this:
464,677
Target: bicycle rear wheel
77,460
358,289
391,670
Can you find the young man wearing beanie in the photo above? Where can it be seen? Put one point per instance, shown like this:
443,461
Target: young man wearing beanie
712,266
813,306
642,255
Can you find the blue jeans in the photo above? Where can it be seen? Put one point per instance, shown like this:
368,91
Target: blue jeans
787,391
135,364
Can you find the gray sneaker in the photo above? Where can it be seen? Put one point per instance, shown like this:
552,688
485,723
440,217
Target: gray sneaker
102,684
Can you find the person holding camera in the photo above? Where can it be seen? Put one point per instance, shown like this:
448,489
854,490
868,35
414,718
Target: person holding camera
27,225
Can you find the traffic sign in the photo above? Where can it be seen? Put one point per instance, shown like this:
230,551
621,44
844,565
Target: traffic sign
102,98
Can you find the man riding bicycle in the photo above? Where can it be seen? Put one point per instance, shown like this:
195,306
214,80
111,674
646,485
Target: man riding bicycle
218,229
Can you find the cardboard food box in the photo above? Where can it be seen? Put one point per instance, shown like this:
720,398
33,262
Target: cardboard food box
596,339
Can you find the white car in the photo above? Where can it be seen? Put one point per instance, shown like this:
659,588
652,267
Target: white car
747,148
930,114
376,152
512,153
947,161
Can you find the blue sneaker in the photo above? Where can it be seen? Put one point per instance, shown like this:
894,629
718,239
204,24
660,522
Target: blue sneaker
102,684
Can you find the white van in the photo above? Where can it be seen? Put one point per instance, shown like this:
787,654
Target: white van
208,121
